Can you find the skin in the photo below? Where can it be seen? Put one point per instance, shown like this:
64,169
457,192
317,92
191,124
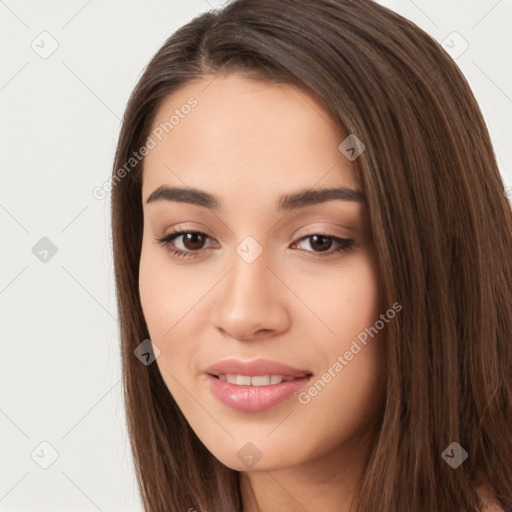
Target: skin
247,143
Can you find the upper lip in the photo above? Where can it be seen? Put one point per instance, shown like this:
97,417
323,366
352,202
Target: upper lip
254,368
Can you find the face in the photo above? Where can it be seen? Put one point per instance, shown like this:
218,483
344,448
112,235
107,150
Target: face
256,294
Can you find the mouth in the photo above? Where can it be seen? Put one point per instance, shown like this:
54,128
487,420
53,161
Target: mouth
257,380
255,386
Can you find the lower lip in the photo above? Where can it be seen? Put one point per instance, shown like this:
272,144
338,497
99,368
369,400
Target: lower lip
254,398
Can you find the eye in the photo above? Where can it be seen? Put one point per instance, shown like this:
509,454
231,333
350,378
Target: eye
321,244
192,242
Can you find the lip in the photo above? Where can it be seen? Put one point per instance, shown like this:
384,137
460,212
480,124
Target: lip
254,398
254,368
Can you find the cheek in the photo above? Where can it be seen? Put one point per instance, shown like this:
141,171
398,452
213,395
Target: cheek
152,293
167,299
360,331
345,300
164,293
358,304
351,381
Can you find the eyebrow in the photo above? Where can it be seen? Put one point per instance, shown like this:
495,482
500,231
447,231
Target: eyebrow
286,203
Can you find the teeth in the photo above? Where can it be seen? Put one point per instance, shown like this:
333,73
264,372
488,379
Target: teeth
257,380
242,380
264,380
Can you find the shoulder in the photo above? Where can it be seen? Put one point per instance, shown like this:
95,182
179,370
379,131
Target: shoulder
493,507
490,504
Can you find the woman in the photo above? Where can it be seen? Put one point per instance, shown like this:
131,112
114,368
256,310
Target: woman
313,257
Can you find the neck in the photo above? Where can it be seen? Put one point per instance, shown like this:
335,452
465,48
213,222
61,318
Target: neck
327,483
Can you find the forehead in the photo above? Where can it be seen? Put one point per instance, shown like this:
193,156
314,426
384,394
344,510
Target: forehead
244,136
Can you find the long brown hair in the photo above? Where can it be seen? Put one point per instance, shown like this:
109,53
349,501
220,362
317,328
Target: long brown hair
441,226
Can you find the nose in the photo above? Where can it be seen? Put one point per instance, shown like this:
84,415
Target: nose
251,303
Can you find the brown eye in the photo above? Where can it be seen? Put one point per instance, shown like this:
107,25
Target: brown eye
320,242
193,241
184,244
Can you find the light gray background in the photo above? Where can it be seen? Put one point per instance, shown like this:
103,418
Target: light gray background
59,121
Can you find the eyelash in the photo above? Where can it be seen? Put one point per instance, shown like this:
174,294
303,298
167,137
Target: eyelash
345,244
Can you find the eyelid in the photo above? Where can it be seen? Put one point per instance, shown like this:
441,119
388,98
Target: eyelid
319,228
